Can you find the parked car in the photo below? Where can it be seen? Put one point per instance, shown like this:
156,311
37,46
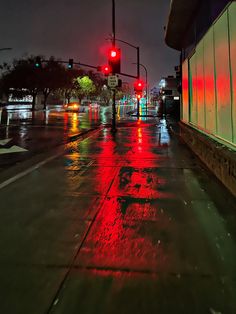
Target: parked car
72,106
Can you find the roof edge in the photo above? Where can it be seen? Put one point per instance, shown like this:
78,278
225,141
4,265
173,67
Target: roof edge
180,14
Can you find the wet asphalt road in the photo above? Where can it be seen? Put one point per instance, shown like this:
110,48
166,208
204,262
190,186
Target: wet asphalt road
42,131
124,223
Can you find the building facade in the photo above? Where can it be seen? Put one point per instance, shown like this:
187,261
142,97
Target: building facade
169,94
206,39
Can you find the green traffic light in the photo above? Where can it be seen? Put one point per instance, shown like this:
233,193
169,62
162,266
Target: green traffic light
70,64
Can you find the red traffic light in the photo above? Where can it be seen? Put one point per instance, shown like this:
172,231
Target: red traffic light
114,57
114,54
138,86
106,69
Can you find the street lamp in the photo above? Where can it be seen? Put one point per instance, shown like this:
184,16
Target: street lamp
146,83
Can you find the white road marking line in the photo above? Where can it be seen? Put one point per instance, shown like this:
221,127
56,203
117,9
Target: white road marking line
24,173
38,165
5,141
12,149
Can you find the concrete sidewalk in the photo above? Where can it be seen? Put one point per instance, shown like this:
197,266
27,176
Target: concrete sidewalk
124,223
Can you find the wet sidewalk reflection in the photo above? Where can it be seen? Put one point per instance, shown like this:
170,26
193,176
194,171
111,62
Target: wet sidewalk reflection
124,223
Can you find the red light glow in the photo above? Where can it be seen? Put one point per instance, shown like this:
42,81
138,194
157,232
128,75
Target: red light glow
114,54
106,69
118,240
138,85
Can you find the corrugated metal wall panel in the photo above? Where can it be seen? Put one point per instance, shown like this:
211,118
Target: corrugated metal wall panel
222,67
200,86
193,89
209,79
232,32
212,80
185,92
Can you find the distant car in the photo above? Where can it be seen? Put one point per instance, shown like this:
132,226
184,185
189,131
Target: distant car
72,106
94,105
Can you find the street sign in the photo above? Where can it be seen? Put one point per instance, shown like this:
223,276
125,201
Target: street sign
112,81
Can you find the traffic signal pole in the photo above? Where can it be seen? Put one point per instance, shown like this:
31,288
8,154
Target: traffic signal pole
138,75
113,23
113,127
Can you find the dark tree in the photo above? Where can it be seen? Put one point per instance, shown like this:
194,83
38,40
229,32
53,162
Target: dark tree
52,78
21,79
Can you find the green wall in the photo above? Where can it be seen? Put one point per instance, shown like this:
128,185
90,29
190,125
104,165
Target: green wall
211,77
185,93
222,76
209,82
232,35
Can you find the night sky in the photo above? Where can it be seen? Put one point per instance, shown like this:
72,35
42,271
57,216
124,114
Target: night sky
78,29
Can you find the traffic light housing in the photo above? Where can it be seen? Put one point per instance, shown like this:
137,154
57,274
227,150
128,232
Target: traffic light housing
105,69
114,59
38,63
70,64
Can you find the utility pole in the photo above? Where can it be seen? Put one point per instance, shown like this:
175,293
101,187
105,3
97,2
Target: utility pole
113,23
138,75
113,128
146,82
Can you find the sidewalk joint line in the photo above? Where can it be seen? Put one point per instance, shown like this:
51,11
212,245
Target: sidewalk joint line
71,266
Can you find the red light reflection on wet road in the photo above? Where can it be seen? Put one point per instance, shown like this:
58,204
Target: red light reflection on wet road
129,229
124,237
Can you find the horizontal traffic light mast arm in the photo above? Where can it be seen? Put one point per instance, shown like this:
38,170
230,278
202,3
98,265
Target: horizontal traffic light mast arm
90,66
77,63
128,75
86,65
